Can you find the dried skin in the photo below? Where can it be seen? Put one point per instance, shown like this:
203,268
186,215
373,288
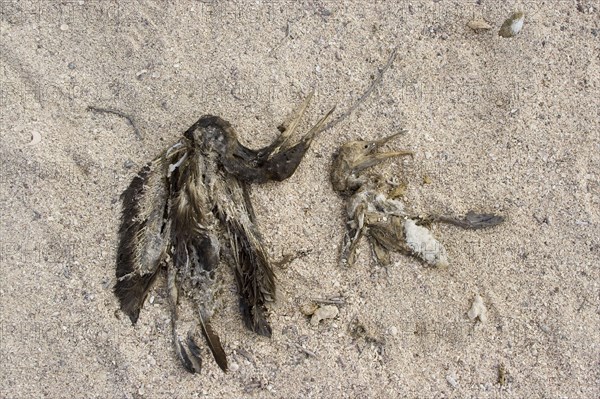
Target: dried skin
185,207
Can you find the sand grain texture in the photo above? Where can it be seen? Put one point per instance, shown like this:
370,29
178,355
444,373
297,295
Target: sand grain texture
500,125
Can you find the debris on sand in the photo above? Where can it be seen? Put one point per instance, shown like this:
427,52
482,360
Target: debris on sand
323,313
513,25
478,310
479,24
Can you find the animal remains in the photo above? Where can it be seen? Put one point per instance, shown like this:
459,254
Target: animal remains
373,211
188,211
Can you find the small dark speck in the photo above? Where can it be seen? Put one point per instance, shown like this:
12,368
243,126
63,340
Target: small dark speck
71,65
36,215
106,282
128,164
563,28
595,32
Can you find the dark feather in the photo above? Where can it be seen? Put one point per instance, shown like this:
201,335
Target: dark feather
143,237
188,202
254,278
214,343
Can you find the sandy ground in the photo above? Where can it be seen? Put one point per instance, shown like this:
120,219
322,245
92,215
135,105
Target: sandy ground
504,125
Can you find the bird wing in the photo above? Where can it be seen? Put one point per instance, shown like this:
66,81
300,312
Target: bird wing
144,235
253,273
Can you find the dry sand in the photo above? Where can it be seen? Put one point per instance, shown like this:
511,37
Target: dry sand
504,125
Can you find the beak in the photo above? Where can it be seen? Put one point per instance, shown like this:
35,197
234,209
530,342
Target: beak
380,143
372,159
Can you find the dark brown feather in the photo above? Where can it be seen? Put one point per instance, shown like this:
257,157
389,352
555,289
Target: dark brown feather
214,343
143,237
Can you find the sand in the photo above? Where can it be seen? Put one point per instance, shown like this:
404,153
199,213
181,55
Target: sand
503,125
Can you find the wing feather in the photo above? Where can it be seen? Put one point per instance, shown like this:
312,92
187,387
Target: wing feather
144,234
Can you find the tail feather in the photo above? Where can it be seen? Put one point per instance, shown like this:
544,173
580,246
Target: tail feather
214,343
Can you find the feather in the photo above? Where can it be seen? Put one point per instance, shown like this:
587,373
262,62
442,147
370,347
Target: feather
184,206
253,273
143,235
214,343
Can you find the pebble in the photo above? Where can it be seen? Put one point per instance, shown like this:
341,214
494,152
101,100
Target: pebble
452,380
323,313
478,310
308,309
64,27
513,25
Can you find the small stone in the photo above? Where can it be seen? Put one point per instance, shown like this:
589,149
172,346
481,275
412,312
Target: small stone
478,310
452,380
234,367
71,65
512,25
64,27
324,313
393,331
308,309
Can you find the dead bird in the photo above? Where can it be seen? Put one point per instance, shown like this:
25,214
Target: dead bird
188,211
384,220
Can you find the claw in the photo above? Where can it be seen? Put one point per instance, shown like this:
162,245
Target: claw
472,220
191,360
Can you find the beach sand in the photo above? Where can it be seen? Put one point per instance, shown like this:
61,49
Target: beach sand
506,125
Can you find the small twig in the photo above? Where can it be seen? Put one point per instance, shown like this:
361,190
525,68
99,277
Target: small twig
307,352
366,94
330,301
128,118
286,259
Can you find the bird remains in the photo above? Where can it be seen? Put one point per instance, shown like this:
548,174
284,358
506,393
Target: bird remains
373,211
188,211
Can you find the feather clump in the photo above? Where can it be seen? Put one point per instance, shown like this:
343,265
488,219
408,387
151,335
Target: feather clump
188,211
